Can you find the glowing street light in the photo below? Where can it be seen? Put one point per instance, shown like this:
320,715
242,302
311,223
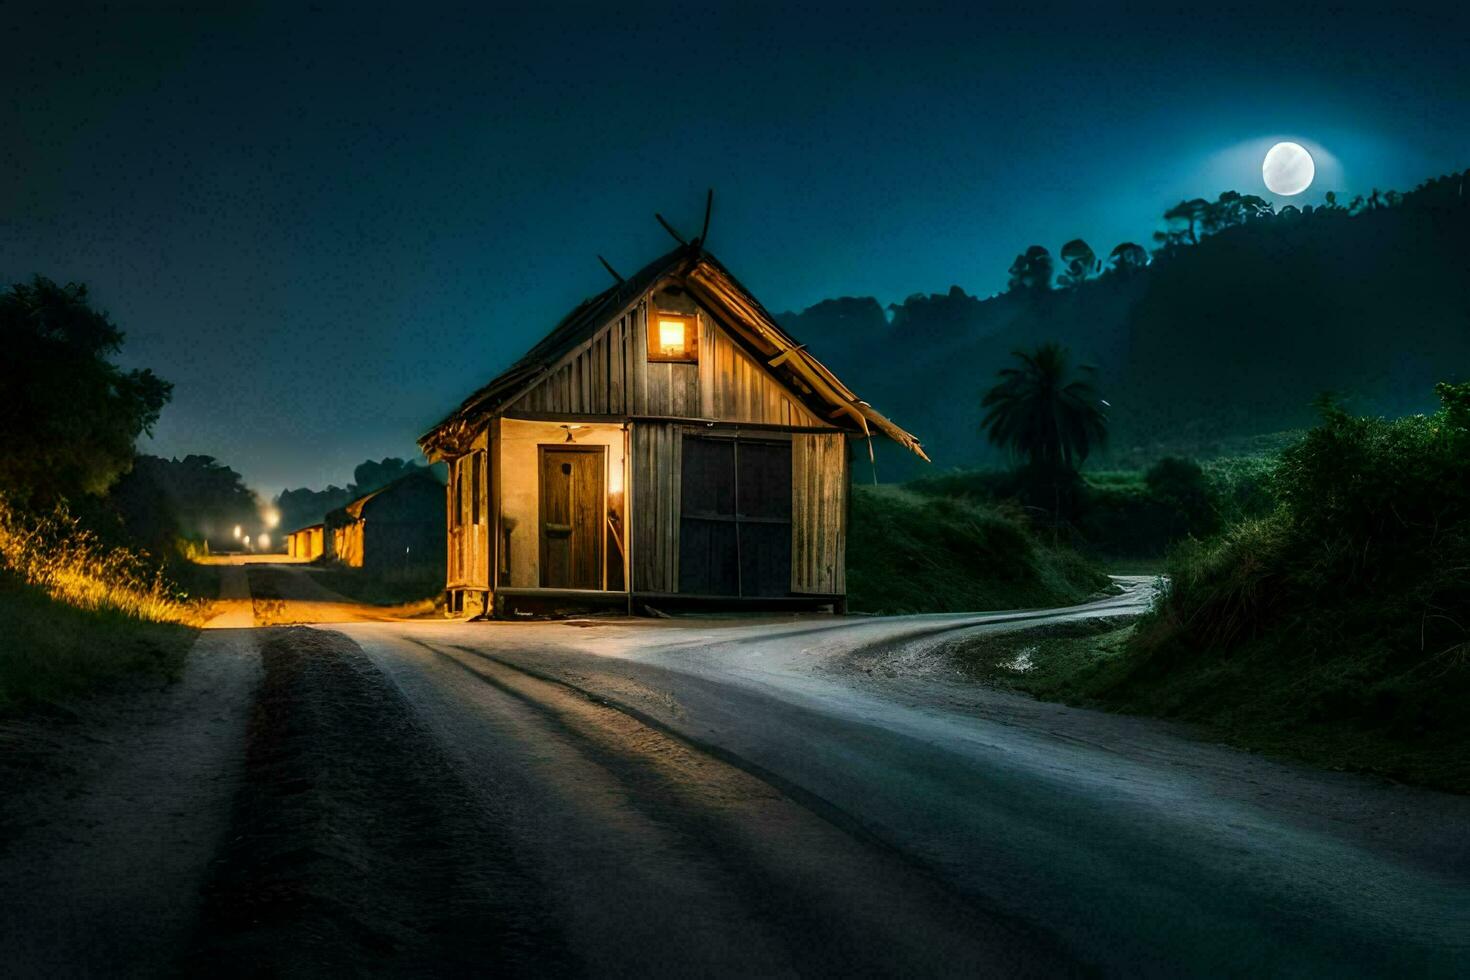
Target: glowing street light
237,533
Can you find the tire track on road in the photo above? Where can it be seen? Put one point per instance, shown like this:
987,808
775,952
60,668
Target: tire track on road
842,899
354,846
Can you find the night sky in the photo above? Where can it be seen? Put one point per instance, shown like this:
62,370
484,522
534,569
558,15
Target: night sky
327,226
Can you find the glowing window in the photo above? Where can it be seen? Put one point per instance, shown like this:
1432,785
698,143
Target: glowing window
673,337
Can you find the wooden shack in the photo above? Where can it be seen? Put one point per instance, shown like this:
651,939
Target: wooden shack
396,526
306,543
666,444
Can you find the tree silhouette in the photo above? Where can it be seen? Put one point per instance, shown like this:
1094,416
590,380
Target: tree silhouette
1127,258
1078,263
1184,221
1031,272
1044,412
68,415
370,474
1232,208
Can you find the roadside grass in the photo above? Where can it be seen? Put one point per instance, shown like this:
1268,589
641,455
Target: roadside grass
1334,629
75,613
920,552
392,587
1310,713
53,650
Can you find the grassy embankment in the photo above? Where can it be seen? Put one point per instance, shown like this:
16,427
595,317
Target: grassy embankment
920,552
1127,520
1336,629
75,614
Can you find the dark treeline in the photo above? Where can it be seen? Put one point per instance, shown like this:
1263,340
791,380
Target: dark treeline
1227,331
302,506
69,422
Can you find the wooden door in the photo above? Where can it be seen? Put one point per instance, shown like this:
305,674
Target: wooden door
572,503
735,517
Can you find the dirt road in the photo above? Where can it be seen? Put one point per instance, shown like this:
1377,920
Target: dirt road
780,796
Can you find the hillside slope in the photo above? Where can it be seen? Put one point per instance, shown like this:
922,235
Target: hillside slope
1209,345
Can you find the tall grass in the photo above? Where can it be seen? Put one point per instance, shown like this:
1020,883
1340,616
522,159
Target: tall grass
71,565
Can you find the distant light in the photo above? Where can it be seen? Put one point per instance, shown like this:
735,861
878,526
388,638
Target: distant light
237,532
246,540
264,540
272,516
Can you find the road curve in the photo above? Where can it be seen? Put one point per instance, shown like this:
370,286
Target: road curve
733,796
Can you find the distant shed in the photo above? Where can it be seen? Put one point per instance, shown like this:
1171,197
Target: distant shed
395,526
306,543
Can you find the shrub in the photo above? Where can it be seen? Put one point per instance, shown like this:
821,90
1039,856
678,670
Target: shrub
1345,611
1240,486
72,565
1181,484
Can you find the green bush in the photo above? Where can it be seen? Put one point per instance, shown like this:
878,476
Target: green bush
1240,486
1343,615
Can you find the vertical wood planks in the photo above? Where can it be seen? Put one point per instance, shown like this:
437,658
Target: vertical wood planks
819,488
657,450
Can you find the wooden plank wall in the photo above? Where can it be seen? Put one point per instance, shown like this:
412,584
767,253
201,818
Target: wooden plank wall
599,378
611,375
657,459
667,388
819,489
737,389
468,543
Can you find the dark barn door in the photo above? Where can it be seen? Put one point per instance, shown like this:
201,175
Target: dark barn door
709,563
735,517
571,517
763,515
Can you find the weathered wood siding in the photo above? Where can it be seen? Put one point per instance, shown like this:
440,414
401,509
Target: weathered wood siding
819,489
611,375
657,451
468,526
735,388
597,378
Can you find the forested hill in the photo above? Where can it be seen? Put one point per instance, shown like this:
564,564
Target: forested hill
1241,318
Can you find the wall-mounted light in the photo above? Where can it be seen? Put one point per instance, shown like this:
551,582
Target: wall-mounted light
569,429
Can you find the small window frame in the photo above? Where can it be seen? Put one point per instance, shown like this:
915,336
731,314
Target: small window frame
690,353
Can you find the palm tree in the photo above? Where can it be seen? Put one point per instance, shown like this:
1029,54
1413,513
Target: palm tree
1045,413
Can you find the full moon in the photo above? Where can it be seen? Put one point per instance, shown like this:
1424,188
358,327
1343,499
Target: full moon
1288,169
